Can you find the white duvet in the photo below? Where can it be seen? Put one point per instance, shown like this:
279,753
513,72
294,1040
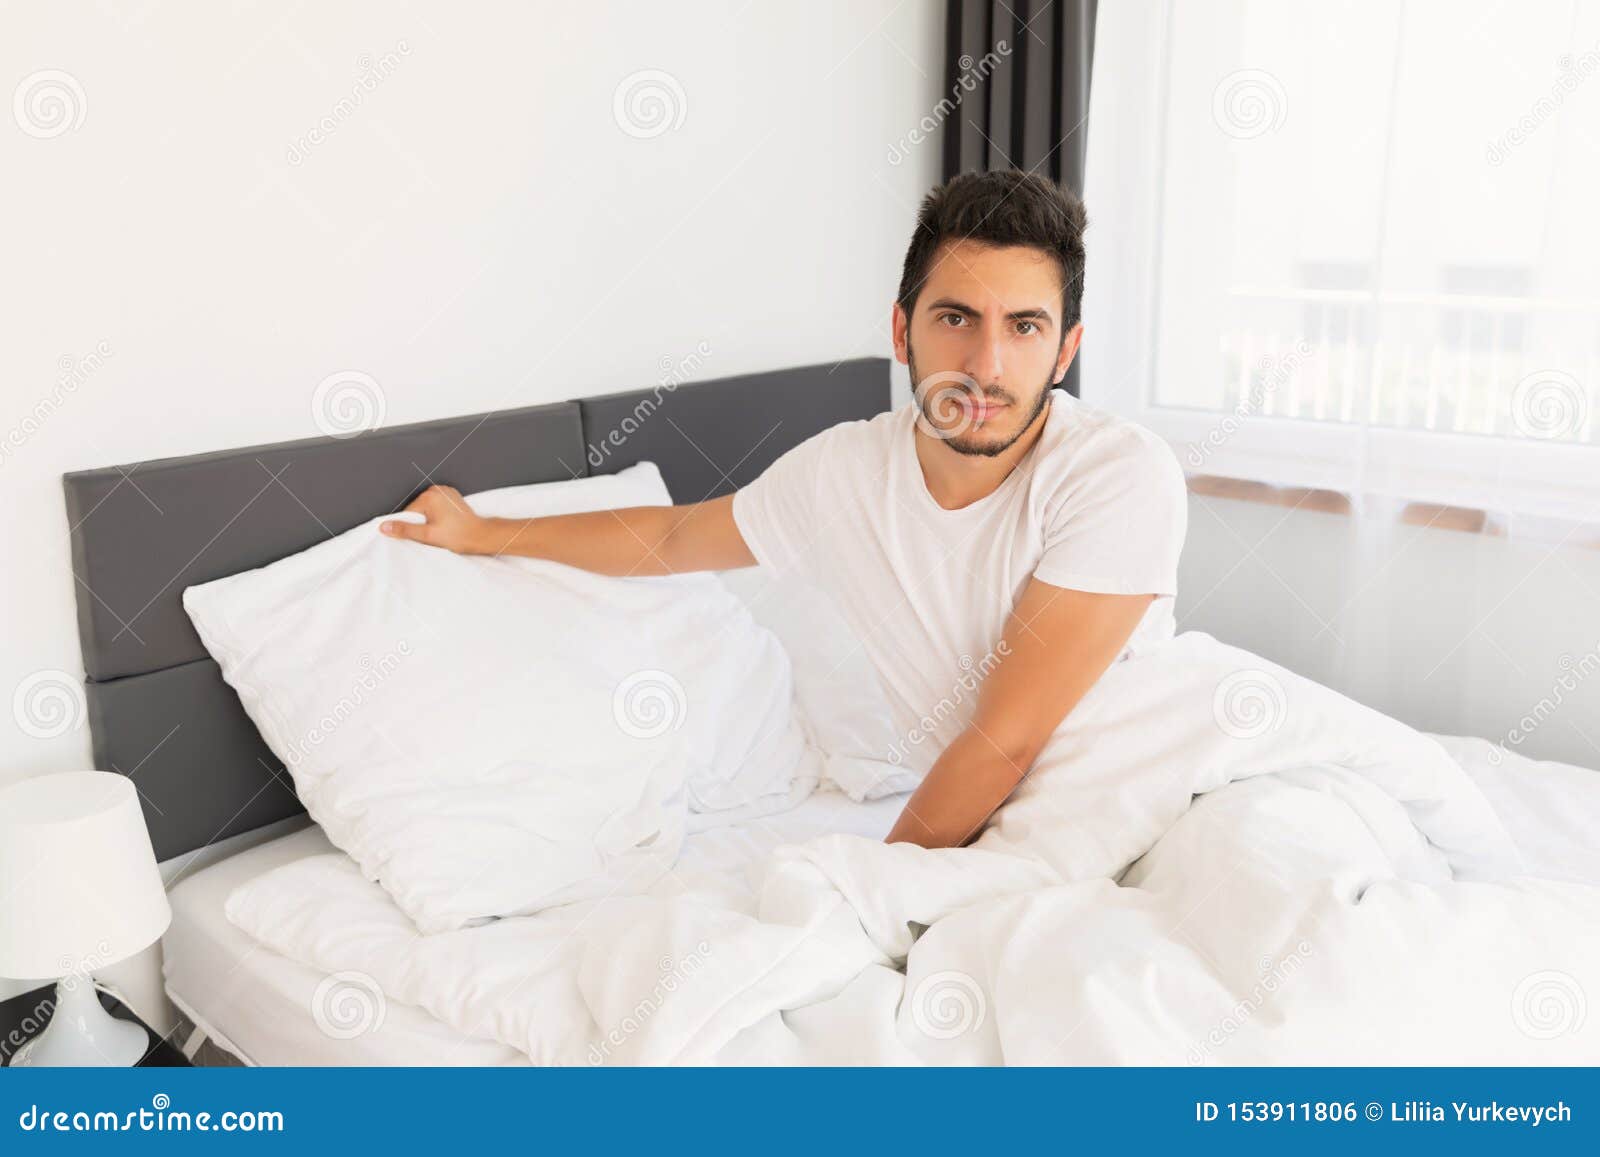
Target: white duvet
1215,862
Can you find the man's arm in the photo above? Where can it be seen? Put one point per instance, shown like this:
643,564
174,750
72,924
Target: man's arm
1056,644
636,540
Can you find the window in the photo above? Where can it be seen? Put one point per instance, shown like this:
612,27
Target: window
1353,246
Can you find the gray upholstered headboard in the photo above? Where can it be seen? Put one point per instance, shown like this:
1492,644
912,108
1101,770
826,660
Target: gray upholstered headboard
159,711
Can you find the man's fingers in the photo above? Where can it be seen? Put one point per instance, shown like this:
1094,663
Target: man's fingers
415,531
420,504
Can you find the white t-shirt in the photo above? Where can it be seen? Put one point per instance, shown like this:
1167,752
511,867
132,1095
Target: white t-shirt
1098,504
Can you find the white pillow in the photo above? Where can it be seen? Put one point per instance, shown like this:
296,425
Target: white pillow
839,695
487,737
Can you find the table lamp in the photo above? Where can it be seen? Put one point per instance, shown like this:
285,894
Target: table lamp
79,890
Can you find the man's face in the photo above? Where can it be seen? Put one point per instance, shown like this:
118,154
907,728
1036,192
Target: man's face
984,344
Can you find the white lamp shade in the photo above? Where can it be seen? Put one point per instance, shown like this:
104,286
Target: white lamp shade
79,886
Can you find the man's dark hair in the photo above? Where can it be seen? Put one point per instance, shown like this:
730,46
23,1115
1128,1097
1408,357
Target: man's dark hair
1005,207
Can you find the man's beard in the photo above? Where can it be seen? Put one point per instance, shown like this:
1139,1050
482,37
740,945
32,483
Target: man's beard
965,442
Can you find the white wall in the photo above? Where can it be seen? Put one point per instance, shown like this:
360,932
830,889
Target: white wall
475,231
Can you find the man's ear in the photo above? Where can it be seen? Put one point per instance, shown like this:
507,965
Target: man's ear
1069,350
902,331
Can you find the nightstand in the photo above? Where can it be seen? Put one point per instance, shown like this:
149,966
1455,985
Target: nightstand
22,1017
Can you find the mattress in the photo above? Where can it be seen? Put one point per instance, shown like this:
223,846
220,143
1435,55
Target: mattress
258,1004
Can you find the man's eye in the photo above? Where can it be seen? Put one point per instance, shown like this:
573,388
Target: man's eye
1031,329
952,317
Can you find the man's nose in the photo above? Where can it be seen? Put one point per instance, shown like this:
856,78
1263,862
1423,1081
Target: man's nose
986,360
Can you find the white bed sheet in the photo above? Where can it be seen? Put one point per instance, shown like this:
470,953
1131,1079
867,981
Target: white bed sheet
258,1004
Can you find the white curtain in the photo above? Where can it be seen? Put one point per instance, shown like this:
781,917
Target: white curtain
1353,245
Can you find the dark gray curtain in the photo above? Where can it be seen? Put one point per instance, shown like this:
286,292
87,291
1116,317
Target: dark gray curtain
1026,105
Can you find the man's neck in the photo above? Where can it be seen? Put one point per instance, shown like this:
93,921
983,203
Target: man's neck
955,479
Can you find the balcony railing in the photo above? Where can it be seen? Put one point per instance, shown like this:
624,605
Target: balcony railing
1499,366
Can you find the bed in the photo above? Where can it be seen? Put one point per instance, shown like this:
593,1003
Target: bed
160,712
257,1004
847,988
244,1003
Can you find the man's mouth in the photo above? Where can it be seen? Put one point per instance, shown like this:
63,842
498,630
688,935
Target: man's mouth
982,409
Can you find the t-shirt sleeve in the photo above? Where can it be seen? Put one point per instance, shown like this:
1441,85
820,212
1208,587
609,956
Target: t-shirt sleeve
1120,526
777,513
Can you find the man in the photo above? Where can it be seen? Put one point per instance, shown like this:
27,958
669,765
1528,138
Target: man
995,516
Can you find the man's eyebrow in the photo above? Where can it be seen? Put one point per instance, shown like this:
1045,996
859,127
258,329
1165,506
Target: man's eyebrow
950,303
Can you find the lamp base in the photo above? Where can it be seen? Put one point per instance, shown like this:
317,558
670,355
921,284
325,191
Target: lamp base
82,1033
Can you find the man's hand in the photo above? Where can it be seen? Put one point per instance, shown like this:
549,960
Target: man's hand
1057,644
450,524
